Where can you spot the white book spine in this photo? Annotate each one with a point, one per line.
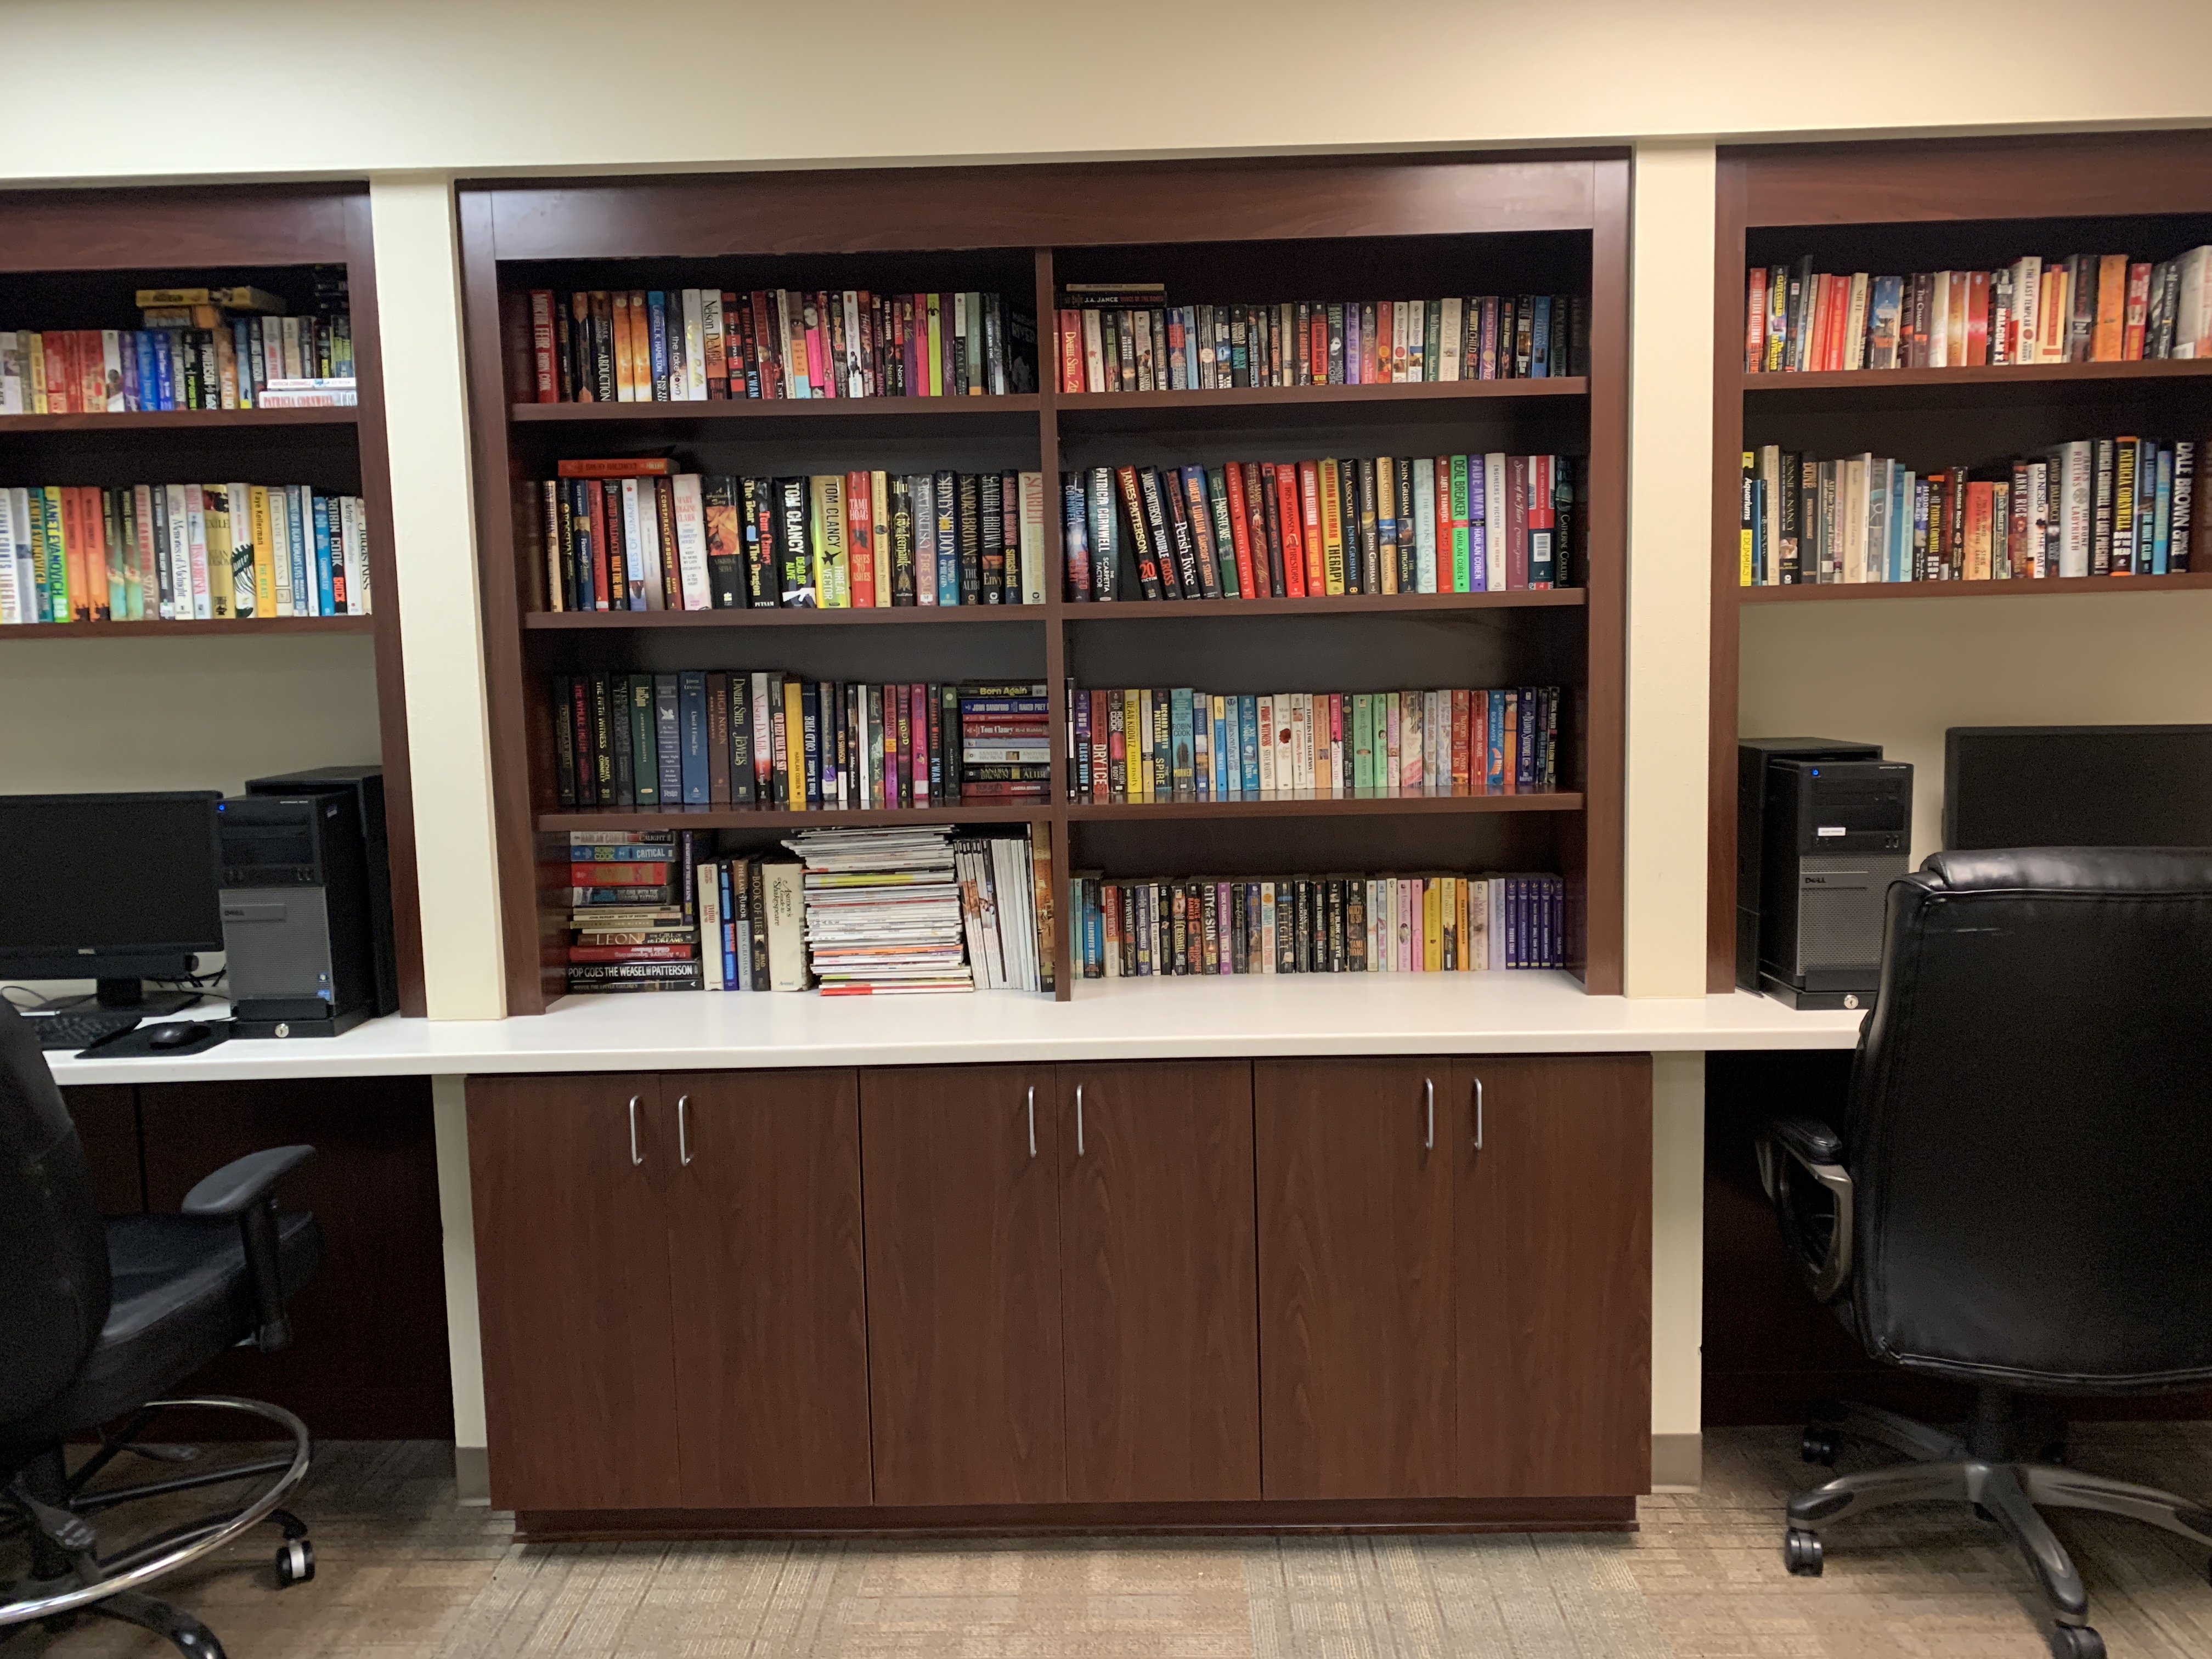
(713, 333)
(1425, 528)
(710, 927)
(692, 543)
(12, 372)
(1032, 532)
(1449, 336)
(695, 346)
(1494, 523)
(111, 354)
(11, 601)
(1855, 323)
(195, 544)
(1094, 351)
(2080, 484)
(280, 551)
(180, 608)
(352, 513)
(2026, 293)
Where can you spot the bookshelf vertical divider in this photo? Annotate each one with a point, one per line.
(1554, 223)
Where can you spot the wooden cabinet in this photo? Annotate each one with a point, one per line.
(961, 1195)
(669, 1278)
(1357, 1329)
(573, 1289)
(1158, 1282)
(770, 1310)
(1553, 1221)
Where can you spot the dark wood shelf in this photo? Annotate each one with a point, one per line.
(1007, 417)
(1337, 605)
(746, 817)
(157, 628)
(1088, 414)
(1798, 593)
(179, 420)
(1968, 388)
(2001, 374)
(797, 617)
(1325, 807)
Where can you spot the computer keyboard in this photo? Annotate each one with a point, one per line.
(81, 1030)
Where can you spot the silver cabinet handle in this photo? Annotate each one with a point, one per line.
(1032, 1120)
(636, 1157)
(683, 1131)
(1478, 1114)
(1429, 1136)
(1078, 1120)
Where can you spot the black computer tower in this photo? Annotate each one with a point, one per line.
(297, 928)
(362, 786)
(1834, 834)
(1753, 757)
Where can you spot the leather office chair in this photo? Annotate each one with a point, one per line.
(2021, 1196)
(97, 1319)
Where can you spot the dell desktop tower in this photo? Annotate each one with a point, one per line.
(297, 917)
(1834, 834)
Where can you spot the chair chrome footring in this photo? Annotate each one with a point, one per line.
(85, 1593)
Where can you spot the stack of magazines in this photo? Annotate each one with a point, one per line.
(883, 911)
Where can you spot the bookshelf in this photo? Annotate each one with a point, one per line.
(72, 259)
(1213, 232)
(1924, 206)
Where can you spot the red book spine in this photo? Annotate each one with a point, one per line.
(609, 592)
(1100, 757)
(541, 344)
(630, 953)
(615, 467)
(918, 712)
(1240, 528)
(1070, 326)
(860, 540)
(1309, 527)
(1755, 326)
(1977, 319)
(1289, 518)
(2131, 344)
(618, 875)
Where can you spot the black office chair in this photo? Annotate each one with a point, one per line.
(2021, 1196)
(97, 1319)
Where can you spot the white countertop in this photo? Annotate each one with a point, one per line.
(1108, 1019)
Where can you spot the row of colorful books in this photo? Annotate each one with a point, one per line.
(693, 345)
(707, 738)
(1176, 743)
(180, 552)
(2103, 507)
(1123, 337)
(1317, 924)
(1442, 524)
(634, 909)
(2084, 309)
(638, 535)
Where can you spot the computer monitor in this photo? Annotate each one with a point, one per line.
(113, 888)
(2077, 786)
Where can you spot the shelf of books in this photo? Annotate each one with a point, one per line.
(804, 500)
(192, 439)
(1977, 370)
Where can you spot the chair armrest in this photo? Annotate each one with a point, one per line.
(245, 1190)
(243, 1181)
(1821, 1243)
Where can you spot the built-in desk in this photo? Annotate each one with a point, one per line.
(1171, 1254)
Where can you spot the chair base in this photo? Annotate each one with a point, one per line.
(68, 1578)
(1980, 1465)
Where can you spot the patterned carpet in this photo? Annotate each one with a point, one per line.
(406, 1574)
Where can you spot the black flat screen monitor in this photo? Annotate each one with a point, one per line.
(2077, 786)
(113, 888)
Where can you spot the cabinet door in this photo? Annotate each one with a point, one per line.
(770, 1315)
(1553, 1221)
(572, 1291)
(960, 1188)
(1159, 1290)
(1356, 1326)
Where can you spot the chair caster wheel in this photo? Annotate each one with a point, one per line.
(295, 1562)
(2075, 1642)
(1801, 1553)
(1818, 1445)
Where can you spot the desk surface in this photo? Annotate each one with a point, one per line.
(1112, 1019)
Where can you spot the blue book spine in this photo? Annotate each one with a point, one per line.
(656, 307)
(242, 342)
(1228, 754)
(691, 715)
(1540, 341)
(165, 383)
(1180, 776)
(2162, 519)
(1524, 754)
(810, 716)
(1217, 750)
(1248, 723)
(303, 591)
(667, 738)
(1516, 930)
(580, 520)
(1494, 783)
(326, 579)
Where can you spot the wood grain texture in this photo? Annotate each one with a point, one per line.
(369, 1356)
(962, 1229)
(166, 227)
(153, 422)
(1552, 1232)
(1357, 1331)
(1158, 1282)
(573, 1291)
(770, 1309)
(919, 616)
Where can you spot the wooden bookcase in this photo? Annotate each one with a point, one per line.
(73, 259)
(1929, 206)
(1213, 232)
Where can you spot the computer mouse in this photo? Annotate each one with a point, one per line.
(176, 1033)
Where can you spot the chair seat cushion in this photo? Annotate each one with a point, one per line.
(182, 1294)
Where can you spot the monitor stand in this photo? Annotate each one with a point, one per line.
(118, 995)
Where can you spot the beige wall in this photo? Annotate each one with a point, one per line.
(1898, 671)
(489, 84)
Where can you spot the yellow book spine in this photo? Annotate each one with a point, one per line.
(1432, 930)
(221, 602)
(879, 542)
(1332, 528)
(833, 577)
(936, 348)
(1744, 537)
(34, 372)
(265, 555)
(794, 740)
